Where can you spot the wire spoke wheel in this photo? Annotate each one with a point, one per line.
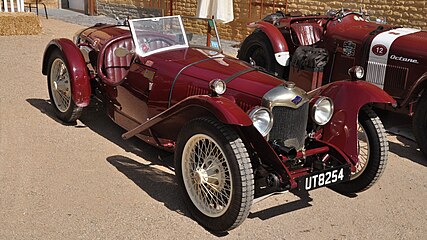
(60, 85)
(60, 88)
(214, 173)
(363, 150)
(372, 148)
(207, 175)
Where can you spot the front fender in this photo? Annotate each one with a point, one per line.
(167, 124)
(80, 80)
(280, 47)
(348, 97)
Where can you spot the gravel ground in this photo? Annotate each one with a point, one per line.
(85, 182)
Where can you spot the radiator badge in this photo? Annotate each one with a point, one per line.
(296, 100)
(349, 48)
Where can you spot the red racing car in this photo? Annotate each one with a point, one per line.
(238, 133)
(325, 47)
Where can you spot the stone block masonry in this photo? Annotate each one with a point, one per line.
(400, 13)
(49, 3)
(132, 8)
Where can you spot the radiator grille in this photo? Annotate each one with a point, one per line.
(290, 125)
(376, 73)
(384, 75)
(396, 77)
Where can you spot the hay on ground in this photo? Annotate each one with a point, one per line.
(19, 23)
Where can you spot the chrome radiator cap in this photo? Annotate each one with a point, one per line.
(285, 95)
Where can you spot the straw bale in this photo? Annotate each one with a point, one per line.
(19, 23)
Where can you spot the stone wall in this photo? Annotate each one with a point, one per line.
(403, 13)
(49, 3)
(131, 8)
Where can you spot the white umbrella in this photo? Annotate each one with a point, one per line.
(221, 10)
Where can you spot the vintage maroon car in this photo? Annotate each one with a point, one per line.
(324, 47)
(238, 133)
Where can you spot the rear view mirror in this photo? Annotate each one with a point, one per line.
(121, 52)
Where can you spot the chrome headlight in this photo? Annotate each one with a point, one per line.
(262, 119)
(356, 72)
(322, 110)
(218, 86)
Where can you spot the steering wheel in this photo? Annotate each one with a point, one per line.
(168, 42)
(340, 13)
(337, 15)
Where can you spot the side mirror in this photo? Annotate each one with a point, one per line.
(121, 52)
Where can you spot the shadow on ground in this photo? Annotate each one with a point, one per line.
(95, 119)
(154, 181)
(408, 149)
(400, 125)
(151, 180)
(45, 107)
(288, 207)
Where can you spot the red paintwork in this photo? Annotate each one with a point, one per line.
(97, 36)
(278, 42)
(341, 131)
(140, 102)
(403, 86)
(222, 108)
(77, 67)
(251, 86)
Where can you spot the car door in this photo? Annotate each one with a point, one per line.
(133, 93)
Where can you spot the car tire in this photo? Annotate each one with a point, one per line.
(257, 46)
(373, 153)
(419, 123)
(60, 88)
(217, 186)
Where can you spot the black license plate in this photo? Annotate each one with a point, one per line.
(324, 178)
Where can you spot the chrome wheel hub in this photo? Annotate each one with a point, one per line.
(206, 175)
(201, 176)
(60, 85)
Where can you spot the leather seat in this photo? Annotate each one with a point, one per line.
(116, 68)
(307, 33)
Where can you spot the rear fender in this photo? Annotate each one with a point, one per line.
(168, 123)
(280, 47)
(80, 80)
(348, 97)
